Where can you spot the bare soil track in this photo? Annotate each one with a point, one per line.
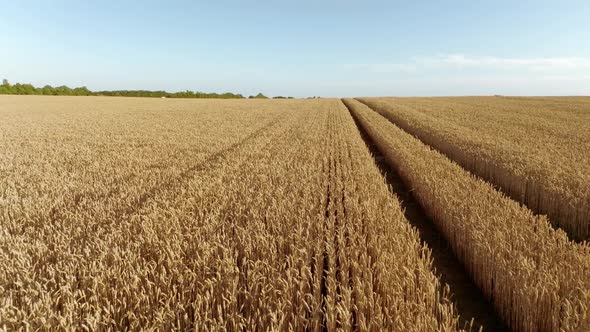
(467, 298)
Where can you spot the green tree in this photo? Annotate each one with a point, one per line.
(5, 87)
(23, 89)
(259, 96)
(81, 91)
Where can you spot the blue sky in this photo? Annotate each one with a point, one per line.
(301, 48)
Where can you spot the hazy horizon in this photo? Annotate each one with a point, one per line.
(328, 49)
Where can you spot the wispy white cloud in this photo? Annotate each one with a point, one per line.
(534, 64)
(463, 61)
(462, 74)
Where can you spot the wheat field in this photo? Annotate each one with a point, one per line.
(536, 277)
(535, 149)
(203, 215)
(273, 215)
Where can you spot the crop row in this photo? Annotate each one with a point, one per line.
(529, 148)
(535, 277)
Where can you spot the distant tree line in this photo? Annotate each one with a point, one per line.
(258, 96)
(160, 94)
(261, 96)
(48, 90)
(28, 89)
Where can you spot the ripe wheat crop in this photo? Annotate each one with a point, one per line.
(537, 150)
(149, 214)
(537, 279)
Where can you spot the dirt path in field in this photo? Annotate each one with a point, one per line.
(467, 298)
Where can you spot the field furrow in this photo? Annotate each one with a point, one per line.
(536, 278)
(472, 307)
(529, 148)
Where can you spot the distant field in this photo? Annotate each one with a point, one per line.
(189, 214)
